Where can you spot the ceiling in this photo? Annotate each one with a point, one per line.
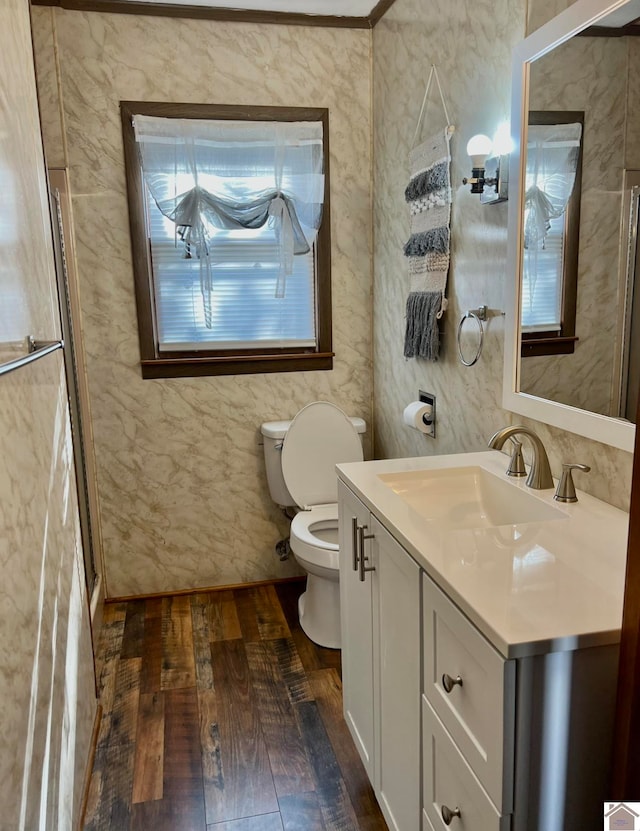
(342, 13)
(351, 13)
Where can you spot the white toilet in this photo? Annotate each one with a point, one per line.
(300, 458)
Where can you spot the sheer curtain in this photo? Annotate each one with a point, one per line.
(553, 151)
(208, 175)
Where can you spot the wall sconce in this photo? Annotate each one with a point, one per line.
(490, 166)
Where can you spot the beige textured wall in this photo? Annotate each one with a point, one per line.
(183, 493)
(471, 45)
(540, 12)
(47, 689)
(632, 136)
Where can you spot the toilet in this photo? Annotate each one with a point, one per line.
(300, 458)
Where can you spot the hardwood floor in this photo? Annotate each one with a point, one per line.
(221, 715)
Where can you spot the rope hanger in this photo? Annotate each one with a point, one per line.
(450, 128)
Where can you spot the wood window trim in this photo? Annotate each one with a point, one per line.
(156, 365)
(543, 343)
(564, 341)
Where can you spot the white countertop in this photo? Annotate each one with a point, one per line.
(530, 588)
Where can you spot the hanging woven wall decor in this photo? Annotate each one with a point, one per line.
(428, 195)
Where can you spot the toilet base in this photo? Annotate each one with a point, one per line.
(319, 611)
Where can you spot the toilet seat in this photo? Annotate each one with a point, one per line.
(310, 547)
(319, 437)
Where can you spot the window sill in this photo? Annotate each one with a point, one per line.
(563, 345)
(189, 367)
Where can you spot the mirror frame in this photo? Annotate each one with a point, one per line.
(606, 429)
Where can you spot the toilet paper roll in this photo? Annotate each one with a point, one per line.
(417, 414)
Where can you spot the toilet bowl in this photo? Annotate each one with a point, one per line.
(319, 437)
(314, 542)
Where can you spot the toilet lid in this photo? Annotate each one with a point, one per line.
(320, 437)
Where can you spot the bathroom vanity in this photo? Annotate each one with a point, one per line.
(480, 629)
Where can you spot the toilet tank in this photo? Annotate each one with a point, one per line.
(273, 433)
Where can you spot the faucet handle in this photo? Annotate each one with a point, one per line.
(516, 465)
(566, 491)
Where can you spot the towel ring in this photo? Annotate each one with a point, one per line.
(478, 315)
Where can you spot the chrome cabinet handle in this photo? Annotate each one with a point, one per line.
(354, 541)
(363, 557)
(448, 814)
(449, 683)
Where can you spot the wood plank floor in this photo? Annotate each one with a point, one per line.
(219, 714)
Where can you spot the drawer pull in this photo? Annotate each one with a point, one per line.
(449, 683)
(448, 814)
(363, 557)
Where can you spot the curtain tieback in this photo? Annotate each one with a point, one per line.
(279, 210)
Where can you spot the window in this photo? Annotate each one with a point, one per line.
(551, 233)
(229, 215)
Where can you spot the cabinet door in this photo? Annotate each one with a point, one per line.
(397, 680)
(357, 629)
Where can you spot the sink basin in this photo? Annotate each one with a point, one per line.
(467, 497)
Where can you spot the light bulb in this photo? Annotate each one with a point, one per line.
(479, 147)
(502, 142)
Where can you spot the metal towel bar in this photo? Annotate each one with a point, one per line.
(37, 350)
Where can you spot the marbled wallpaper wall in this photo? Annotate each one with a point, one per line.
(471, 45)
(589, 74)
(47, 688)
(183, 493)
(47, 685)
(632, 133)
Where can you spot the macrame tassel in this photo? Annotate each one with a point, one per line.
(435, 178)
(435, 240)
(422, 337)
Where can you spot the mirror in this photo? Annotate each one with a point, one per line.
(569, 356)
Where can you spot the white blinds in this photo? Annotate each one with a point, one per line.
(542, 285)
(246, 314)
(552, 156)
(242, 200)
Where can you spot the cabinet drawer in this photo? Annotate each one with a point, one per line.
(479, 712)
(449, 781)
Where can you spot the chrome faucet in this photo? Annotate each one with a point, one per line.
(540, 473)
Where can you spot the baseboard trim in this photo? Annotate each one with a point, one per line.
(97, 721)
(205, 589)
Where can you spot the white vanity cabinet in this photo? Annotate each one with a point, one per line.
(457, 730)
(380, 659)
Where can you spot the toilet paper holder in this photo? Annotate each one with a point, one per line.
(429, 398)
